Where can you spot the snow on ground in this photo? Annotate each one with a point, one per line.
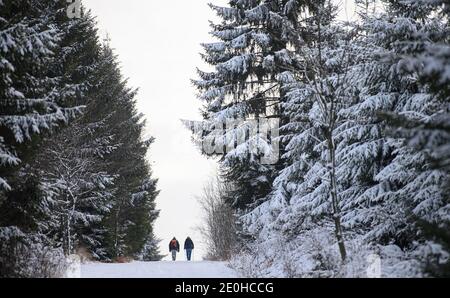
(163, 269)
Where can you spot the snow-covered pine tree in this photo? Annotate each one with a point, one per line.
(252, 50)
(30, 107)
(74, 175)
(150, 252)
(393, 91)
(424, 126)
(129, 224)
(388, 179)
(29, 101)
(133, 212)
(298, 136)
(386, 183)
(140, 238)
(307, 193)
(69, 166)
(378, 175)
(76, 192)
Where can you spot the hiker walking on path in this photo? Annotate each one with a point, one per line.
(188, 246)
(174, 247)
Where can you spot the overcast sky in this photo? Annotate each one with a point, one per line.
(158, 45)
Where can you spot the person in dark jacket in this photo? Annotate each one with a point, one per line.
(174, 247)
(188, 246)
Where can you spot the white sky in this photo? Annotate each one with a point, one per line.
(158, 45)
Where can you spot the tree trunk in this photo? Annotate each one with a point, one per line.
(334, 198)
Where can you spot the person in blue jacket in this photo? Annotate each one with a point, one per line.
(188, 246)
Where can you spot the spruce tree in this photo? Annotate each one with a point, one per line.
(130, 220)
(424, 129)
(30, 109)
(252, 51)
(30, 103)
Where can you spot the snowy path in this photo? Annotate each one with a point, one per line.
(163, 269)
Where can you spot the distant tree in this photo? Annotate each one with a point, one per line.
(150, 251)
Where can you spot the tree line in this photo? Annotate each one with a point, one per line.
(74, 177)
(364, 114)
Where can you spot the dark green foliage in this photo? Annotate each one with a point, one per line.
(73, 168)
